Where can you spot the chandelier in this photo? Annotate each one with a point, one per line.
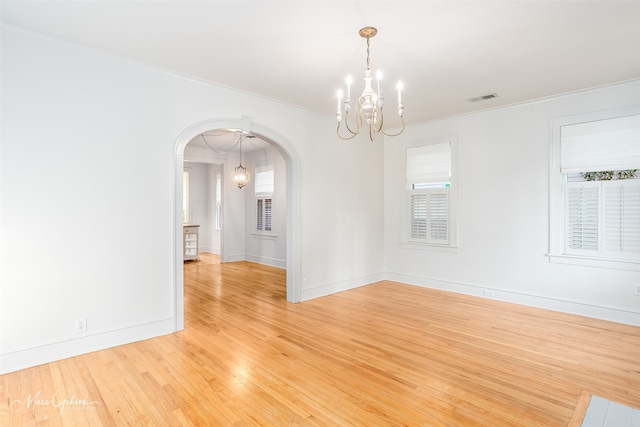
(369, 106)
(240, 176)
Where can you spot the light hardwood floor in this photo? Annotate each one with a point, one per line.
(384, 354)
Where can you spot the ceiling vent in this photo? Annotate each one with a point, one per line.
(483, 97)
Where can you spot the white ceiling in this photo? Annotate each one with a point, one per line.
(299, 52)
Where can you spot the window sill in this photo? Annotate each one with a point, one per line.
(265, 236)
(430, 247)
(593, 262)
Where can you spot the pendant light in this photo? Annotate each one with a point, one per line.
(240, 176)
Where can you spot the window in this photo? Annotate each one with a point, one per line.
(218, 207)
(596, 211)
(185, 197)
(264, 189)
(603, 216)
(430, 201)
(263, 215)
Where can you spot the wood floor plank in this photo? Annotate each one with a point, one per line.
(381, 355)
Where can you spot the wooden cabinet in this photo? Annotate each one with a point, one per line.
(190, 242)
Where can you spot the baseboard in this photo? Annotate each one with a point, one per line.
(580, 411)
(614, 314)
(210, 249)
(343, 285)
(233, 258)
(279, 263)
(17, 359)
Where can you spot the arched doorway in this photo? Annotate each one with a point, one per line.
(293, 286)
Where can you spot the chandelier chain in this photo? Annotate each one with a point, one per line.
(368, 50)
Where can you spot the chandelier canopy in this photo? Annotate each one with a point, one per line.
(369, 106)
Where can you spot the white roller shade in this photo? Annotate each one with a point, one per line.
(264, 180)
(429, 163)
(602, 145)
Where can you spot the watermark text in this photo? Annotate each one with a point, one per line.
(61, 400)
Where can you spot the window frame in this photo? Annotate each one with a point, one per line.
(217, 225)
(557, 197)
(406, 241)
(262, 200)
(186, 199)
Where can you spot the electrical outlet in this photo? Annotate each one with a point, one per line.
(81, 325)
(636, 289)
(488, 293)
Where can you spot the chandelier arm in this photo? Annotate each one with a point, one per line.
(342, 137)
(399, 132)
(358, 122)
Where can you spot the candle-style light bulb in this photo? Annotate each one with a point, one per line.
(378, 79)
(399, 92)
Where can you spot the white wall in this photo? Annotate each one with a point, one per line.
(503, 216)
(202, 198)
(88, 222)
(268, 248)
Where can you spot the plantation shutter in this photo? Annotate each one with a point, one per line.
(439, 217)
(601, 145)
(267, 214)
(429, 216)
(419, 216)
(259, 214)
(582, 217)
(264, 188)
(621, 209)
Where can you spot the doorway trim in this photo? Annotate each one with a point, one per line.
(293, 286)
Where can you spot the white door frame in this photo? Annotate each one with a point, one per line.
(293, 205)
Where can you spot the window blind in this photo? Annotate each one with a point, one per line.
(429, 163)
(419, 216)
(438, 217)
(267, 214)
(263, 214)
(621, 220)
(259, 214)
(264, 180)
(429, 216)
(582, 217)
(603, 219)
(601, 145)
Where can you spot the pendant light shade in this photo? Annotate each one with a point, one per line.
(240, 176)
